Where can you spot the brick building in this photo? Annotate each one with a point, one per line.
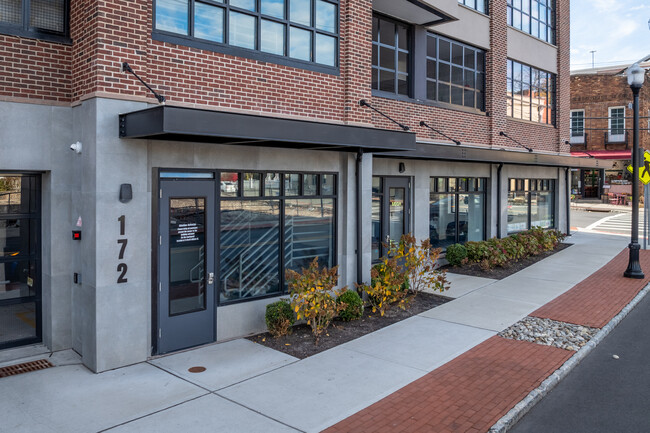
(601, 126)
(261, 156)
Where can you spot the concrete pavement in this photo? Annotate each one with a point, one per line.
(250, 388)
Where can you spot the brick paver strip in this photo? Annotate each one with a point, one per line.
(468, 394)
(601, 296)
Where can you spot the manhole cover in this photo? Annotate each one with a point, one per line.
(25, 367)
(196, 369)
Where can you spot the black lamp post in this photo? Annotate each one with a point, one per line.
(635, 77)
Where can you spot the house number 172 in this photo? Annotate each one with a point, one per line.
(122, 267)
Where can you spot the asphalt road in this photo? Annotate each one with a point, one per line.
(602, 394)
(582, 219)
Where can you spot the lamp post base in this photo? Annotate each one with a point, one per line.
(633, 266)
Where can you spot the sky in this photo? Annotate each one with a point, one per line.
(616, 29)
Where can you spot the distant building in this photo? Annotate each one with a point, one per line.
(601, 125)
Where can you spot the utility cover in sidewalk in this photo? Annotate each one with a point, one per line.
(25, 367)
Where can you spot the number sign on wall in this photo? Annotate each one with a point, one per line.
(122, 267)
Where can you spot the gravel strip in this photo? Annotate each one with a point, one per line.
(549, 332)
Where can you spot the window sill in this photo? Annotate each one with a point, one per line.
(534, 37)
(10, 30)
(485, 14)
(242, 52)
(443, 105)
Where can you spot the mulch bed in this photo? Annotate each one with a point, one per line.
(499, 273)
(301, 343)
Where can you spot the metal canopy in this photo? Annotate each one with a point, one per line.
(195, 125)
(473, 154)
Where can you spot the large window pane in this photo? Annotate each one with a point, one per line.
(208, 22)
(244, 4)
(308, 232)
(172, 16)
(376, 225)
(300, 12)
(47, 15)
(11, 11)
(471, 212)
(274, 8)
(541, 209)
(18, 237)
(242, 31)
(517, 211)
(442, 220)
(325, 16)
(249, 249)
(17, 321)
(272, 40)
(300, 44)
(325, 50)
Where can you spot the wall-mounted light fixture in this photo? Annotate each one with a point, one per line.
(76, 147)
(126, 193)
(402, 167)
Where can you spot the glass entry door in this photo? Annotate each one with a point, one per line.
(391, 212)
(186, 302)
(20, 260)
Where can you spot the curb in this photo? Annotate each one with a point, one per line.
(520, 409)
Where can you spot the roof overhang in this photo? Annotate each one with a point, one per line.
(421, 12)
(194, 125)
(447, 152)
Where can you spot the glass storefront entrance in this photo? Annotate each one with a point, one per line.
(20, 280)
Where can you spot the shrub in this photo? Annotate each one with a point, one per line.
(419, 265)
(313, 296)
(279, 317)
(352, 305)
(388, 285)
(456, 253)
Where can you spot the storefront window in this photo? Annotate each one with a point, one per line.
(456, 210)
(531, 203)
(279, 221)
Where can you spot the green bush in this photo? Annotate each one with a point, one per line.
(353, 309)
(279, 318)
(456, 253)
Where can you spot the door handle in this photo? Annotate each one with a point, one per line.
(210, 277)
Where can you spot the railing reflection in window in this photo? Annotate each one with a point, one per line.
(250, 248)
(308, 232)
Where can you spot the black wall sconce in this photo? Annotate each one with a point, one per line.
(126, 193)
(402, 167)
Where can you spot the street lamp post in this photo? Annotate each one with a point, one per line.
(635, 77)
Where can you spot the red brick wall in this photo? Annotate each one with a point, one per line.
(34, 69)
(596, 93)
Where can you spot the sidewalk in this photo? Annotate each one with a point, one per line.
(443, 370)
(603, 207)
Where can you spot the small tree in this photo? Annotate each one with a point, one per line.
(313, 296)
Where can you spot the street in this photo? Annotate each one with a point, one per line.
(605, 222)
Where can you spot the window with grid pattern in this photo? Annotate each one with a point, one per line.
(455, 73)
(530, 94)
(479, 5)
(535, 17)
(37, 17)
(302, 30)
(390, 56)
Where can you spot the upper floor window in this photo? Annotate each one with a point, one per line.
(390, 56)
(299, 30)
(616, 124)
(43, 19)
(531, 93)
(578, 126)
(479, 5)
(535, 17)
(455, 72)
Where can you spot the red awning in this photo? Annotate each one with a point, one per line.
(606, 154)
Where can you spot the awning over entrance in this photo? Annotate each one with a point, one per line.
(194, 125)
(605, 154)
(495, 156)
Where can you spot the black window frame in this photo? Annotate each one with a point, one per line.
(527, 186)
(478, 190)
(256, 54)
(549, 9)
(282, 197)
(376, 67)
(478, 100)
(473, 4)
(550, 90)
(25, 30)
(578, 123)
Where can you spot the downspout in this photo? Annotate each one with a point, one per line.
(359, 159)
(499, 200)
(568, 200)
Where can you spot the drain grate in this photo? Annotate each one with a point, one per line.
(25, 367)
